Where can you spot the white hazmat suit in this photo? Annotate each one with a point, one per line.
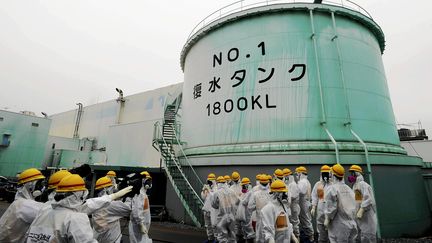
(62, 222)
(17, 219)
(304, 187)
(244, 216)
(258, 200)
(365, 208)
(340, 212)
(225, 201)
(318, 204)
(208, 211)
(140, 218)
(293, 193)
(106, 222)
(275, 220)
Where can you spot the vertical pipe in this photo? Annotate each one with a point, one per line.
(347, 105)
(323, 113)
(78, 120)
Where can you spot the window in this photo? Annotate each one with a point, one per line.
(5, 140)
(35, 124)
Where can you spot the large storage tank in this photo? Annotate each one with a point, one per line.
(298, 83)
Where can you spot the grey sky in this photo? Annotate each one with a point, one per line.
(56, 53)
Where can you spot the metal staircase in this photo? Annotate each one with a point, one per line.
(181, 174)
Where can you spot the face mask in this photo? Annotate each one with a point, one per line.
(210, 183)
(352, 179)
(244, 188)
(148, 185)
(325, 176)
(82, 195)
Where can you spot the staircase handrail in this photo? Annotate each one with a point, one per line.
(181, 172)
(187, 160)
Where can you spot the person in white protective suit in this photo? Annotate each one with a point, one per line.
(257, 182)
(275, 215)
(140, 218)
(235, 183)
(62, 222)
(112, 175)
(304, 187)
(106, 221)
(293, 193)
(21, 213)
(258, 200)
(225, 201)
(339, 209)
(365, 205)
(243, 216)
(318, 202)
(208, 211)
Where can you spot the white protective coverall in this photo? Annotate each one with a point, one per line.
(20, 214)
(208, 211)
(293, 193)
(319, 203)
(365, 199)
(236, 187)
(225, 201)
(106, 221)
(258, 200)
(62, 223)
(275, 221)
(140, 214)
(244, 216)
(340, 212)
(304, 187)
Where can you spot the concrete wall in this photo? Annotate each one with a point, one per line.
(28, 136)
(420, 148)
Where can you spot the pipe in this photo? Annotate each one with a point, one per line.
(347, 105)
(323, 113)
(369, 172)
(78, 119)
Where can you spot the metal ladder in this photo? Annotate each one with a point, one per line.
(181, 174)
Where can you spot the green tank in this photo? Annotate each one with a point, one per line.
(282, 85)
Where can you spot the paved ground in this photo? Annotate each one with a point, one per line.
(170, 232)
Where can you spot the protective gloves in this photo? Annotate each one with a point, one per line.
(360, 213)
(271, 240)
(294, 238)
(326, 222)
(143, 229)
(313, 211)
(121, 193)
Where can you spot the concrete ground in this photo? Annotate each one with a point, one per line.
(172, 232)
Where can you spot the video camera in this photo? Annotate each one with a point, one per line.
(135, 180)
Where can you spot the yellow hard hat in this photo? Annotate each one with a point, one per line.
(269, 177)
(56, 178)
(245, 181)
(227, 177)
(264, 179)
(103, 182)
(111, 173)
(221, 179)
(278, 186)
(301, 169)
(356, 168)
(30, 175)
(286, 172)
(325, 168)
(257, 177)
(211, 177)
(338, 170)
(235, 176)
(146, 174)
(279, 173)
(71, 183)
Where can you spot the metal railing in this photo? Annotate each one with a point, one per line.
(248, 4)
(188, 165)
